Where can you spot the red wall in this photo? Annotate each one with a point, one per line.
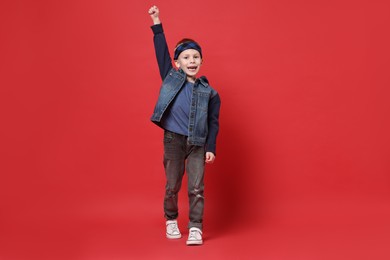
(304, 131)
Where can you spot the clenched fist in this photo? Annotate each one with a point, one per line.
(154, 14)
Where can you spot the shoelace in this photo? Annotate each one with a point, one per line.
(174, 227)
(193, 234)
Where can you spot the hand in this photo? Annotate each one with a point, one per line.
(210, 157)
(154, 13)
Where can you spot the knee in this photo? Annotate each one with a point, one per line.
(196, 192)
(171, 191)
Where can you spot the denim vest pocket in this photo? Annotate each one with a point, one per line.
(203, 100)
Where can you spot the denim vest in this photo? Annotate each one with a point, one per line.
(201, 94)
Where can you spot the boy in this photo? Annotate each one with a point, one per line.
(188, 111)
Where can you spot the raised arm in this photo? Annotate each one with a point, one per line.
(160, 44)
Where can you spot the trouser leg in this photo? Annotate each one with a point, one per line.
(195, 172)
(174, 161)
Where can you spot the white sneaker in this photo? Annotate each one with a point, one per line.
(173, 231)
(195, 236)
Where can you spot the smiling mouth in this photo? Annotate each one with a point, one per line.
(192, 68)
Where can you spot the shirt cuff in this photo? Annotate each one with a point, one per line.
(157, 28)
(211, 148)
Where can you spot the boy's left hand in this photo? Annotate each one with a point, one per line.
(210, 157)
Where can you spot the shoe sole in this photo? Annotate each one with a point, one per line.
(194, 243)
(173, 236)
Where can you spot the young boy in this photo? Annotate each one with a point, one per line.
(188, 111)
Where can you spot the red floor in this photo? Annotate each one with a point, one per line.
(108, 231)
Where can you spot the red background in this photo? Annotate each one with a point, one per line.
(302, 170)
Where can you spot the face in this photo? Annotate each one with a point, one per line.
(189, 61)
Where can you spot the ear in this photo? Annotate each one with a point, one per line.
(177, 64)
